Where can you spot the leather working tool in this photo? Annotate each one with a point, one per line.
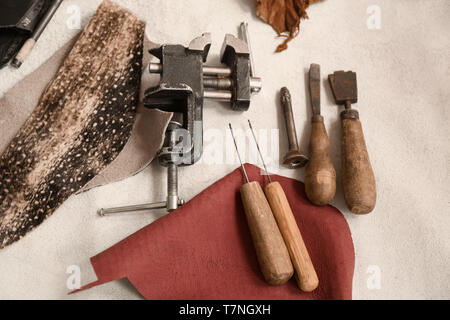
(305, 273)
(184, 84)
(293, 158)
(357, 175)
(320, 176)
(271, 251)
(18, 20)
(30, 43)
(22, 15)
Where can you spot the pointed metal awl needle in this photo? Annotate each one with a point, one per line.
(237, 151)
(259, 151)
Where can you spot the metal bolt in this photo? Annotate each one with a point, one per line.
(173, 201)
(172, 187)
(148, 206)
(293, 158)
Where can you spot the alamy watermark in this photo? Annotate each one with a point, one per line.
(73, 282)
(374, 20)
(74, 19)
(374, 280)
(215, 146)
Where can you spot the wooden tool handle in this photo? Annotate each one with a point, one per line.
(320, 176)
(25, 50)
(271, 251)
(357, 174)
(306, 276)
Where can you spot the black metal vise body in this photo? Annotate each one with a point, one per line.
(185, 83)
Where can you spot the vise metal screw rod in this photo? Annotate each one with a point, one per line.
(215, 78)
(173, 201)
(181, 90)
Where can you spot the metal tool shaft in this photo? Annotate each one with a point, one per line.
(215, 77)
(259, 150)
(207, 70)
(46, 19)
(173, 201)
(172, 187)
(293, 158)
(237, 151)
(314, 88)
(286, 103)
(30, 43)
(218, 95)
(140, 207)
(218, 83)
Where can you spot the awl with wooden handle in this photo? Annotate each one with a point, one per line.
(305, 273)
(320, 175)
(357, 175)
(271, 251)
(31, 42)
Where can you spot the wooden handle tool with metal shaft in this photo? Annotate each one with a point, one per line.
(271, 251)
(320, 176)
(357, 175)
(31, 42)
(305, 273)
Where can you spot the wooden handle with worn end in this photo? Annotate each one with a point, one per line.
(306, 275)
(357, 174)
(320, 176)
(271, 251)
(24, 52)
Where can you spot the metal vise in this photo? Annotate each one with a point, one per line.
(184, 85)
(186, 82)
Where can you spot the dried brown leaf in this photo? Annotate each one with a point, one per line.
(284, 16)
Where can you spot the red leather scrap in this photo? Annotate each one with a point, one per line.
(204, 250)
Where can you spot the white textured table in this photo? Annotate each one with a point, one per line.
(403, 73)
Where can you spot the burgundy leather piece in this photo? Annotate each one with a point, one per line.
(204, 250)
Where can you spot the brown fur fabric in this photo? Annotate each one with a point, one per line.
(82, 122)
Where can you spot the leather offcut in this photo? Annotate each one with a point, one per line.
(204, 251)
(83, 120)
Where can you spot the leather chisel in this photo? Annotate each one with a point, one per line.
(320, 175)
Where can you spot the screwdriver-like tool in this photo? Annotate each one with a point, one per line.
(271, 251)
(306, 275)
(320, 176)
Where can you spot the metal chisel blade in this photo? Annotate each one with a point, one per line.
(314, 88)
(344, 86)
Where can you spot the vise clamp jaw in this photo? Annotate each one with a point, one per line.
(184, 85)
(236, 54)
(181, 91)
(186, 82)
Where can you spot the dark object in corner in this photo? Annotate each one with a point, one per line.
(28, 46)
(284, 16)
(18, 18)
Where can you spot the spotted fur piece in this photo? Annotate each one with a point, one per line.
(83, 120)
